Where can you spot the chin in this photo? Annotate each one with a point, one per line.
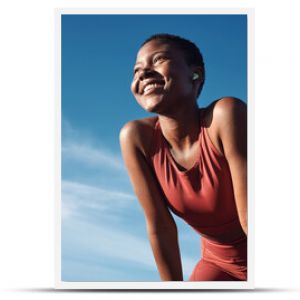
(152, 103)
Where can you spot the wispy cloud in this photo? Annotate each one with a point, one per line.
(110, 242)
(80, 146)
(77, 198)
(91, 156)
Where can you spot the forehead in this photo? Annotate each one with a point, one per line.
(158, 46)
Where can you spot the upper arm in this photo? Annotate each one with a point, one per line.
(231, 116)
(145, 185)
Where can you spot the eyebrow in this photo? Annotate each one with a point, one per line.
(154, 53)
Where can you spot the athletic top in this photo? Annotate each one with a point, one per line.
(202, 195)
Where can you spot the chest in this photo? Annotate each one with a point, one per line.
(202, 194)
(187, 159)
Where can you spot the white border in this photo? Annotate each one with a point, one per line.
(132, 285)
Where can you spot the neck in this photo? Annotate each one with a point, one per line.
(181, 129)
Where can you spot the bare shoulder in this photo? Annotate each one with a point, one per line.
(229, 107)
(222, 110)
(221, 114)
(139, 133)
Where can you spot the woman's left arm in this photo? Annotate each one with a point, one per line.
(231, 114)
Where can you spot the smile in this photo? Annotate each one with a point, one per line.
(151, 87)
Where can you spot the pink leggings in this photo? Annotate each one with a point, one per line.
(221, 262)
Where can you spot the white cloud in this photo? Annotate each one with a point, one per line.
(91, 156)
(104, 240)
(80, 146)
(76, 196)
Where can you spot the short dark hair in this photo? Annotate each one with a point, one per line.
(191, 52)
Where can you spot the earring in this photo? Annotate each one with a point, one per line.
(195, 76)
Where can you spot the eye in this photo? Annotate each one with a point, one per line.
(158, 58)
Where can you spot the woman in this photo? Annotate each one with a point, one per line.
(190, 160)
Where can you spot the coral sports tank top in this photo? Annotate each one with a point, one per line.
(202, 195)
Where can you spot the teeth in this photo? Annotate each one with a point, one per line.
(150, 86)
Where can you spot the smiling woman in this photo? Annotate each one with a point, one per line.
(162, 72)
(190, 160)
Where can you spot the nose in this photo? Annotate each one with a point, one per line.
(146, 73)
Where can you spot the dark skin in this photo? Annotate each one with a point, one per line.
(163, 84)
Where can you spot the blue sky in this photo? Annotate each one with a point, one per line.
(103, 228)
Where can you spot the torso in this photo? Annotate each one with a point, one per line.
(145, 139)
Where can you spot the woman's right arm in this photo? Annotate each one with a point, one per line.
(161, 228)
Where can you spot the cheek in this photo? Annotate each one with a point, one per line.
(133, 87)
(179, 84)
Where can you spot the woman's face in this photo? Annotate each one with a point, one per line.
(162, 79)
